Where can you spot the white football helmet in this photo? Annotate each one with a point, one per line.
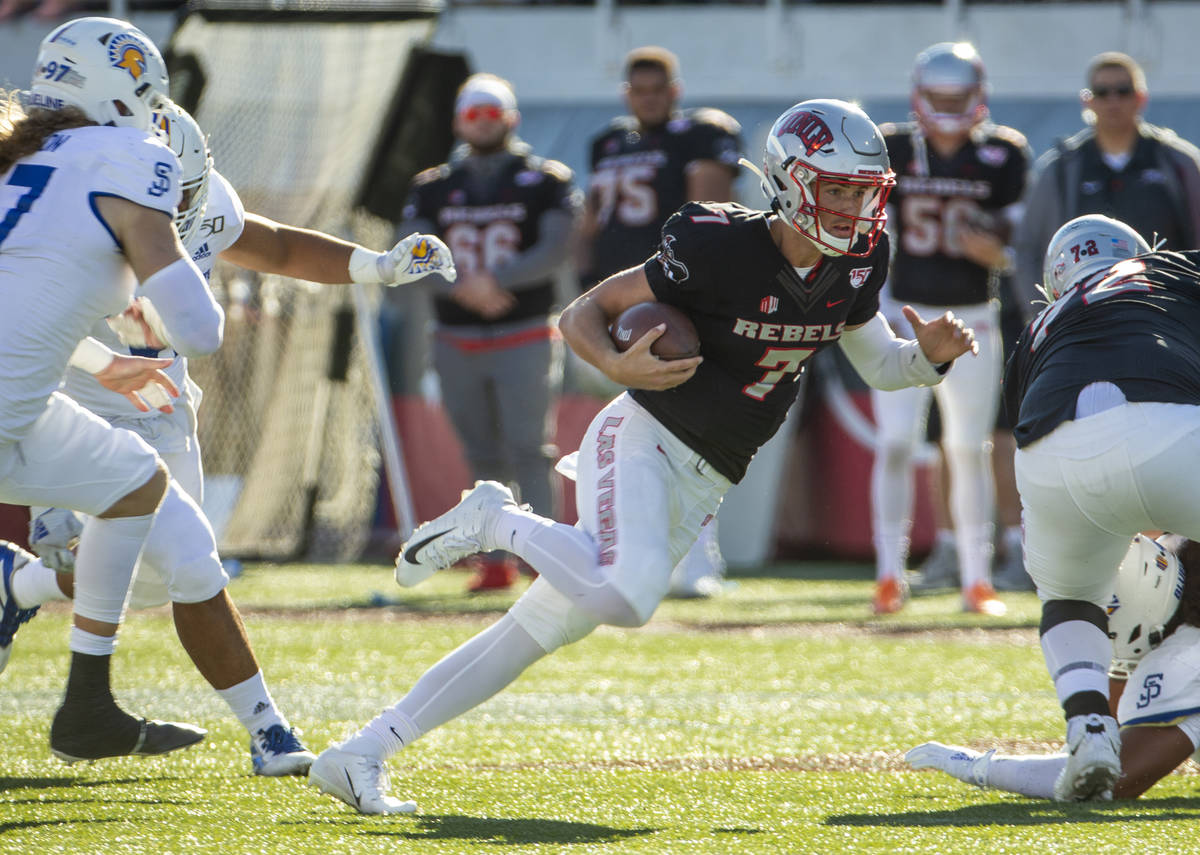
(832, 142)
(1148, 591)
(1083, 247)
(950, 69)
(108, 68)
(179, 130)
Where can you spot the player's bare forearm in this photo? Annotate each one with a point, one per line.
(271, 247)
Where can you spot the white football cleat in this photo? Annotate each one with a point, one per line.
(356, 779)
(277, 751)
(1093, 759)
(968, 766)
(456, 534)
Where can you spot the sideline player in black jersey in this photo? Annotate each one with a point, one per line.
(507, 217)
(765, 291)
(959, 180)
(647, 164)
(1105, 385)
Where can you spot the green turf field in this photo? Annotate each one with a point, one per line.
(771, 721)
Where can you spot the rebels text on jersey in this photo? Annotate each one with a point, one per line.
(935, 198)
(758, 322)
(639, 177)
(487, 222)
(1136, 325)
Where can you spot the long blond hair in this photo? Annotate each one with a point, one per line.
(22, 133)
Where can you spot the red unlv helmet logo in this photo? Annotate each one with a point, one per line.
(810, 129)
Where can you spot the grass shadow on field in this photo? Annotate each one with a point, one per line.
(7, 784)
(1032, 813)
(29, 824)
(512, 831)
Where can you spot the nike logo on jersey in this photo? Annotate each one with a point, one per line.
(829, 304)
(411, 554)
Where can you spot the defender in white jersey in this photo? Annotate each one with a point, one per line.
(215, 221)
(1157, 705)
(86, 216)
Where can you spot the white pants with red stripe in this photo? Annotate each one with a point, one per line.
(643, 496)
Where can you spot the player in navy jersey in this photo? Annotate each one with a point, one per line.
(1105, 388)
(959, 180)
(765, 290)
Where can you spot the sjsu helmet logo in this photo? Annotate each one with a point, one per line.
(127, 52)
(810, 129)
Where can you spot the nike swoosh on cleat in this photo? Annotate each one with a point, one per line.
(350, 783)
(410, 554)
(829, 304)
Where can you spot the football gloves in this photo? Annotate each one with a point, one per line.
(413, 258)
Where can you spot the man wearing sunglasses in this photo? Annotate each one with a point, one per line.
(507, 217)
(1120, 166)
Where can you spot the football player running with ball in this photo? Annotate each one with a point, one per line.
(959, 181)
(765, 291)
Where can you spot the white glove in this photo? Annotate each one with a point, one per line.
(413, 258)
(53, 535)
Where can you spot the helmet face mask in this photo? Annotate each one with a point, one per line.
(180, 132)
(1084, 247)
(106, 67)
(827, 174)
(949, 90)
(1148, 590)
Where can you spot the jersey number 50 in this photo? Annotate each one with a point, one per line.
(931, 225)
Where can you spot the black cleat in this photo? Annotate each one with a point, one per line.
(148, 737)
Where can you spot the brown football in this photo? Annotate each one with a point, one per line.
(678, 341)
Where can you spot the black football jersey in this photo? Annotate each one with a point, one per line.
(758, 322)
(487, 222)
(639, 180)
(935, 197)
(1137, 326)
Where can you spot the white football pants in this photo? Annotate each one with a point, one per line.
(1093, 483)
(967, 398)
